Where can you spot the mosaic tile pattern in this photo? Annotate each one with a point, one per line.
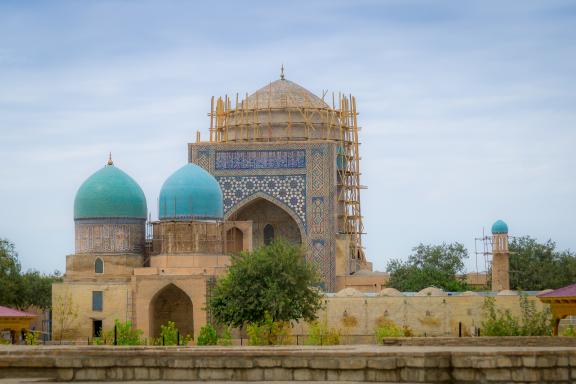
(274, 159)
(312, 199)
(289, 189)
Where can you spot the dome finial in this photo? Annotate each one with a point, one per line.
(110, 162)
(282, 72)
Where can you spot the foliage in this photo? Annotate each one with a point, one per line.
(225, 336)
(64, 314)
(22, 290)
(207, 335)
(169, 335)
(32, 338)
(126, 334)
(320, 334)
(387, 328)
(268, 332)
(537, 266)
(532, 322)
(430, 265)
(569, 331)
(273, 279)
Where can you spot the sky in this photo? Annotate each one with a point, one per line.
(467, 108)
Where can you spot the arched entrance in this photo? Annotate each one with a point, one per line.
(171, 304)
(269, 222)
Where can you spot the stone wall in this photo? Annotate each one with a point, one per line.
(360, 363)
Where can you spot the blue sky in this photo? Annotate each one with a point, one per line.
(468, 108)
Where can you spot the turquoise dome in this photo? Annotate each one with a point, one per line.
(191, 193)
(110, 192)
(499, 227)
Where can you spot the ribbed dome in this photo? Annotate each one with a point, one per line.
(499, 227)
(191, 193)
(110, 192)
(284, 93)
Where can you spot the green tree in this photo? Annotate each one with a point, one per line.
(9, 274)
(429, 265)
(535, 266)
(273, 279)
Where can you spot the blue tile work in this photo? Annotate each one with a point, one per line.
(274, 159)
(289, 189)
(305, 187)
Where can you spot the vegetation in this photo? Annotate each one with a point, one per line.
(537, 266)
(430, 265)
(386, 329)
(169, 335)
(22, 290)
(64, 314)
(531, 322)
(272, 282)
(207, 336)
(569, 331)
(320, 334)
(126, 334)
(268, 332)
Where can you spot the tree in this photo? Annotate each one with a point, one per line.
(64, 314)
(22, 290)
(9, 274)
(429, 265)
(536, 266)
(274, 280)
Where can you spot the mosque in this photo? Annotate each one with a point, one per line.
(279, 163)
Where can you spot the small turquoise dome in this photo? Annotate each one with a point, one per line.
(499, 227)
(191, 193)
(110, 192)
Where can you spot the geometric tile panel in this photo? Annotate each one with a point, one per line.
(289, 189)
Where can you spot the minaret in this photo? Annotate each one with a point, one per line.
(500, 257)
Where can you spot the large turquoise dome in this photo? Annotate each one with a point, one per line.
(110, 193)
(499, 227)
(191, 193)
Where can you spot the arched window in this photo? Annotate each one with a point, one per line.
(99, 266)
(268, 234)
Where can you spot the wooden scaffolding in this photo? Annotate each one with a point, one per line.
(298, 118)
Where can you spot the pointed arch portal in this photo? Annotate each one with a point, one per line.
(270, 221)
(171, 304)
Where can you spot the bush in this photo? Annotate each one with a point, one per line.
(569, 331)
(388, 328)
(31, 338)
(502, 323)
(126, 334)
(207, 336)
(268, 332)
(321, 334)
(225, 337)
(169, 335)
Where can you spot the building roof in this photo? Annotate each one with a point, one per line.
(110, 192)
(11, 312)
(191, 193)
(568, 291)
(499, 227)
(284, 93)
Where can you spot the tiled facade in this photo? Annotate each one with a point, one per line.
(299, 178)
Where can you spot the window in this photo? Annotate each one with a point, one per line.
(97, 300)
(268, 234)
(96, 328)
(99, 266)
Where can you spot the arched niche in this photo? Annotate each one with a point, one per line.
(171, 304)
(264, 212)
(98, 265)
(234, 240)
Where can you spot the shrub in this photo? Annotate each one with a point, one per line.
(321, 334)
(207, 335)
(31, 338)
(569, 331)
(225, 337)
(169, 335)
(500, 322)
(268, 332)
(386, 329)
(126, 334)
